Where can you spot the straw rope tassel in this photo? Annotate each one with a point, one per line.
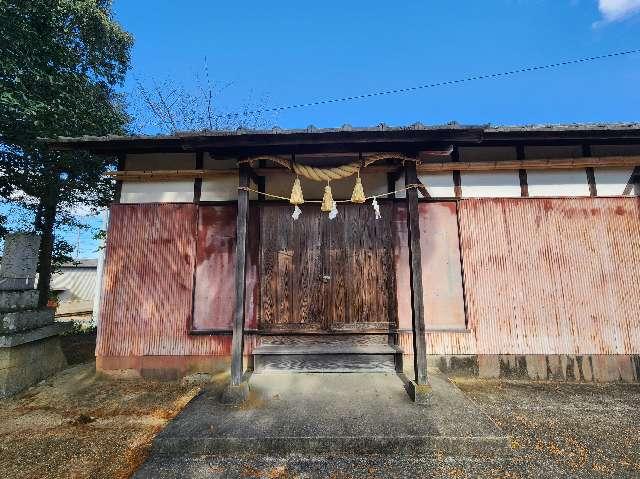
(327, 199)
(358, 192)
(296, 193)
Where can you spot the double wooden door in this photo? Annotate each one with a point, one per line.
(318, 274)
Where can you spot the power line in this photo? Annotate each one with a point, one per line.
(447, 82)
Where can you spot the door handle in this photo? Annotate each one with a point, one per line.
(325, 278)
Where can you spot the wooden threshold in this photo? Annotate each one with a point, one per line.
(323, 332)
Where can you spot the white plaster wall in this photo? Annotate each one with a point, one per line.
(490, 184)
(157, 192)
(439, 185)
(612, 181)
(558, 182)
(280, 184)
(219, 188)
(160, 161)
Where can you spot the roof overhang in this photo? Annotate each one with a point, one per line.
(410, 139)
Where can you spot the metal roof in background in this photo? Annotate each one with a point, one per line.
(81, 263)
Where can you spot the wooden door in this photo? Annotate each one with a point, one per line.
(320, 275)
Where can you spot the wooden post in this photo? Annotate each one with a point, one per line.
(197, 182)
(237, 344)
(122, 158)
(522, 173)
(633, 183)
(415, 263)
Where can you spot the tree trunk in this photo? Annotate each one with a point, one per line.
(48, 206)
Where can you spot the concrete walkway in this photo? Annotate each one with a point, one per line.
(326, 414)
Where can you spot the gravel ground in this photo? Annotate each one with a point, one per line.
(559, 431)
(585, 430)
(80, 425)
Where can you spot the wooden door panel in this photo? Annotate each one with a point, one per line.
(307, 294)
(284, 287)
(354, 255)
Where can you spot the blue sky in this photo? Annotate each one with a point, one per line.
(280, 53)
(290, 52)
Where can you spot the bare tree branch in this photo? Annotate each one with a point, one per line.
(169, 107)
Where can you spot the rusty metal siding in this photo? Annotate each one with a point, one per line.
(442, 342)
(441, 270)
(147, 291)
(215, 295)
(552, 276)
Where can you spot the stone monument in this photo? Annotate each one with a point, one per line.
(29, 338)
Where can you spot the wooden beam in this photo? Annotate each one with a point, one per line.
(422, 188)
(522, 173)
(591, 179)
(262, 182)
(551, 163)
(415, 264)
(253, 176)
(237, 343)
(591, 175)
(197, 184)
(634, 181)
(524, 182)
(540, 164)
(457, 177)
(168, 175)
(122, 159)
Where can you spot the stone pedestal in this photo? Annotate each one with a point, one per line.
(29, 338)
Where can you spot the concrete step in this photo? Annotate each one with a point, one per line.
(321, 356)
(331, 414)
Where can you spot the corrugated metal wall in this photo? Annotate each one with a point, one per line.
(542, 276)
(441, 276)
(78, 283)
(215, 293)
(146, 307)
(552, 276)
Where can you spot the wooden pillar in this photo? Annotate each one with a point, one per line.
(633, 185)
(197, 183)
(237, 344)
(415, 263)
(122, 158)
(591, 174)
(522, 173)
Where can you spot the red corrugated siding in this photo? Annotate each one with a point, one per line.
(441, 277)
(215, 293)
(542, 277)
(552, 276)
(214, 297)
(147, 291)
(442, 342)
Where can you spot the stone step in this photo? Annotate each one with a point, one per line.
(318, 356)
